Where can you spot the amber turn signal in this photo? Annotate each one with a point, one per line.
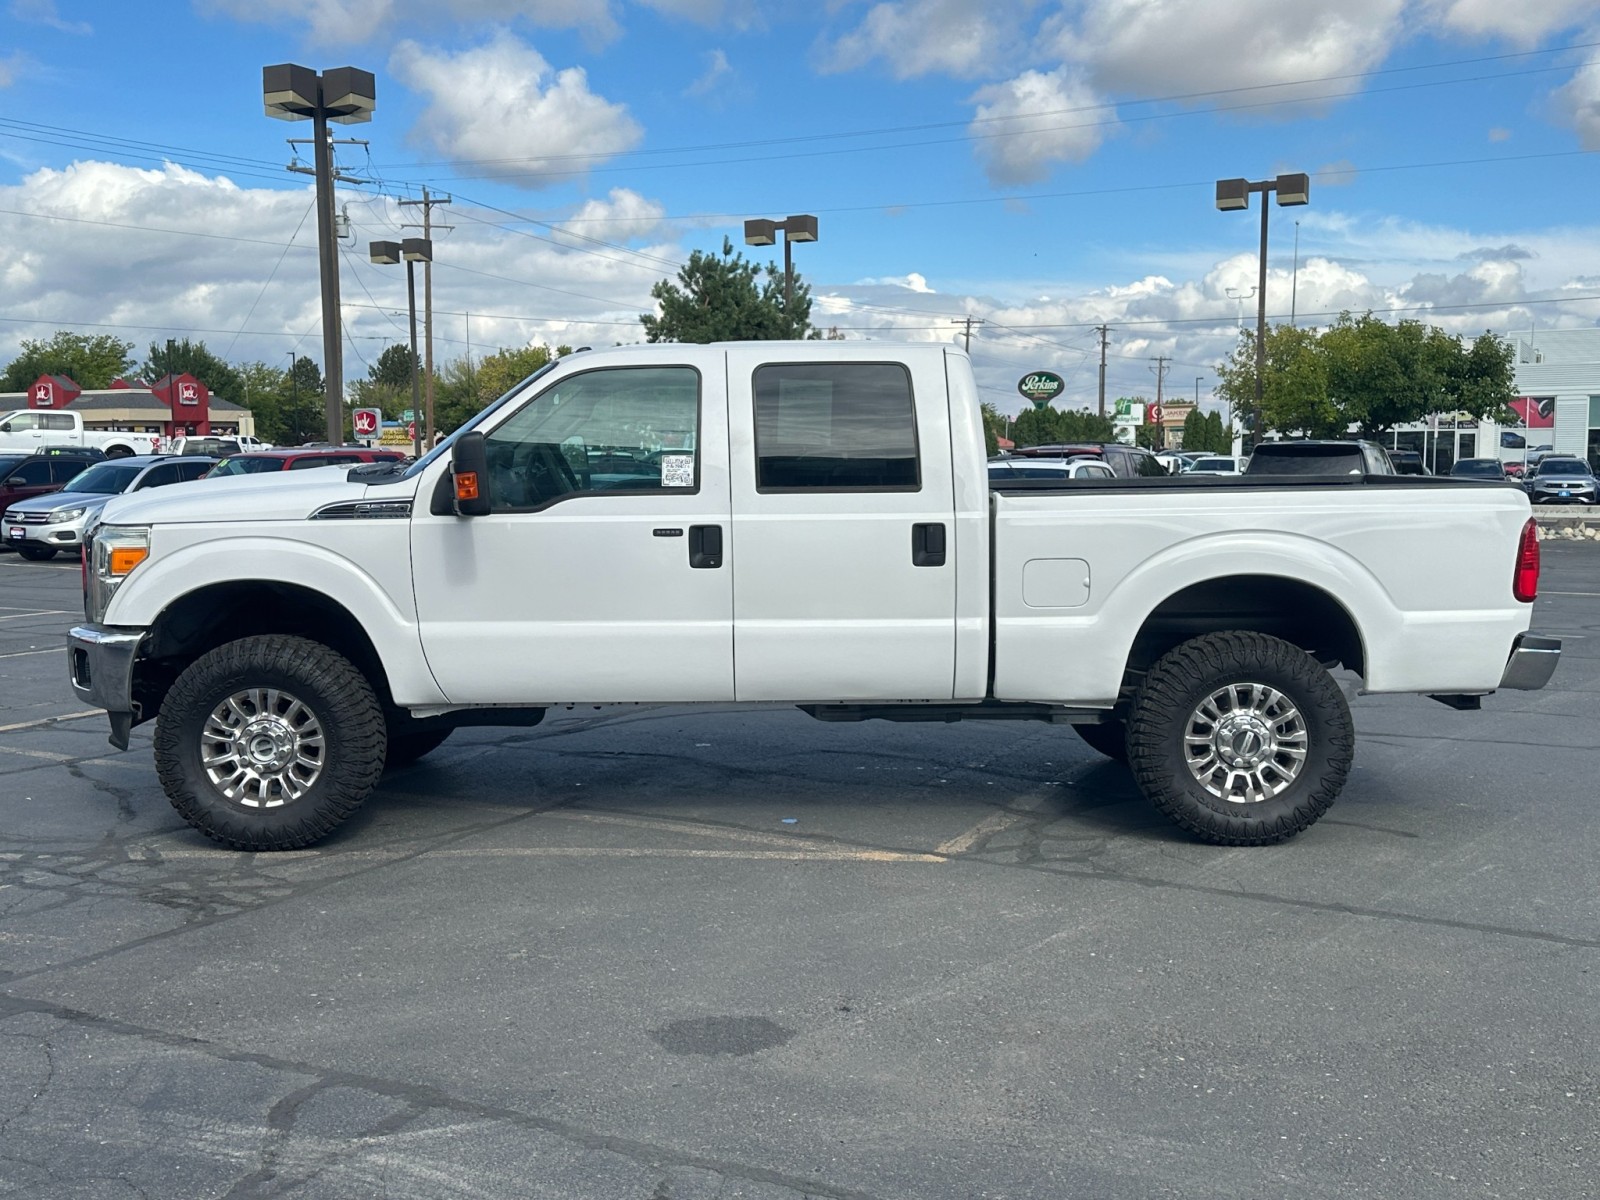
(126, 558)
(467, 485)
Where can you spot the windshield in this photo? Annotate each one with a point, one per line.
(245, 466)
(444, 447)
(1562, 466)
(104, 479)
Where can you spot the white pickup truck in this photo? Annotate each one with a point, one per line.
(29, 429)
(800, 522)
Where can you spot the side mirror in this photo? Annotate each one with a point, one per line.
(6, 428)
(469, 466)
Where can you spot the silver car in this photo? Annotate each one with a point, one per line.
(40, 527)
(1559, 480)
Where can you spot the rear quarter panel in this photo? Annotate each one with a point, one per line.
(1425, 573)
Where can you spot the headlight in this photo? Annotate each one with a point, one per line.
(115, 551)
(62, 515)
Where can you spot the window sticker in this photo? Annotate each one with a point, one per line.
(677, 470)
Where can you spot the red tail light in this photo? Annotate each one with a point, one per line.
(1525, 579)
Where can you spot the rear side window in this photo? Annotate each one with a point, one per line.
(56, 421)
(1148, 464)
(835, 427)
(64, 469)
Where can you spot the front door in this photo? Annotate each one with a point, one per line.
(604, 571)
(844, 518)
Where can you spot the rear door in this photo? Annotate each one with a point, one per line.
(843, 522)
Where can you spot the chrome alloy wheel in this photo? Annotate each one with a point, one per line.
(1245, 743)
(262, 748)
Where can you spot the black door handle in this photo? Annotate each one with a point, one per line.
(927, 545)
(705, 546)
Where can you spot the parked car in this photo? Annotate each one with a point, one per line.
(40, 527)
(26, 475)
(1480, 468)
(1217, 464)
(1562, 479)
(211, 447)
(1126, 462)
(1408, 462)
(1319, 458)
(301, 459)
(1008, 470)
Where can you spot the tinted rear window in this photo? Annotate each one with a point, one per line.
(1288, 459)
(1477, 469)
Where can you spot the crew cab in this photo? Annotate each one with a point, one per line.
(27, 429)
(776, 521)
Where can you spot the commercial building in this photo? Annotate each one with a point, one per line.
(173, 406)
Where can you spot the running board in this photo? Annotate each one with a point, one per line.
(948, 714)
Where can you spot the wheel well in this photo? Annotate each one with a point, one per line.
(119, 451)
(1297, 612)
(205, 619)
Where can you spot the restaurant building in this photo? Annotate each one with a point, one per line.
(173, 406)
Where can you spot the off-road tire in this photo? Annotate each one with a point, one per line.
(326, 683)
(37, 553)
(1169, 696)
(406, 748)
(1109, 738)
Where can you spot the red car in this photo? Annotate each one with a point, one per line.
(302, 459)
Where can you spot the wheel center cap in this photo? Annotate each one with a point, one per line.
(1243, 740)
(268, 743)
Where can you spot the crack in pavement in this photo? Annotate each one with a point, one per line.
(418, 1099)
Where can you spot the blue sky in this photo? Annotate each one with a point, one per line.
(1041, 166)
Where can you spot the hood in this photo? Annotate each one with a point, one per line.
(240, 499)
(55, 501)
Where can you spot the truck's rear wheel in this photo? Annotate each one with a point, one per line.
(1109, 738)
(119, 451)
(269, 743)
(1242, 739)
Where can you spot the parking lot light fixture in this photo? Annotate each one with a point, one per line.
(411, 251)
(800, 227)
(1234, 195)
(348, 96)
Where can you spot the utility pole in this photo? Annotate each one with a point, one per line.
(1160, 369)
(426, 204)
(1104, 331)
(969, 322)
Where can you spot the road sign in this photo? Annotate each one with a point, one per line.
(1155, 413)
(408, 415)
(366, 422)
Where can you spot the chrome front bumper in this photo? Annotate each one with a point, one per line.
(1532, 662)
(100, 662)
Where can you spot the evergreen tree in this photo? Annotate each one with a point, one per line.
(721, 298)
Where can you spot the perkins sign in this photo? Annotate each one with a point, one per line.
(1041, 387)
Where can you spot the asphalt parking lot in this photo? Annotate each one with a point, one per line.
(676, 955)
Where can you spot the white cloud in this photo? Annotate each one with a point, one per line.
(349, 22)
(1578, 103)
(963, 38)
(12, 66)
(43, 12)
(1526, 24)
(1164, 47)
(1019, 141)
(623, 215)
(520, 117)
(109, 270)
(717, 71)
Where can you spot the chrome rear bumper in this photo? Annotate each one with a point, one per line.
(1533, 660)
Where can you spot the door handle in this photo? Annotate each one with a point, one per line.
(705, 546)
(927, 545)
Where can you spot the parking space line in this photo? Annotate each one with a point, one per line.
(798, 854)
(46, 612)
(992, 824)
(689, 827)
(45, 754)
(43, 721)
(25, 653)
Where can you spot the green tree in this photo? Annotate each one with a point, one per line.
(184, 357)
(1194, 431)
(90, 361)
(388, 383)
(1049, 426)
(1295, 395)
(1219, 439)
(720, 298)
(993, 425)
(463, 388)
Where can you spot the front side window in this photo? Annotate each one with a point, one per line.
(625, 429)
(30, 474)
(159, 477)
(23, 423)
(835, 427)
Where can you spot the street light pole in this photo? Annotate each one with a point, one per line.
(346, 95)
(1232, 195)
(411, 251)
(801, 228)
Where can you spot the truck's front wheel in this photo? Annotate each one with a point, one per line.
(1242, 739)
(269, 743)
